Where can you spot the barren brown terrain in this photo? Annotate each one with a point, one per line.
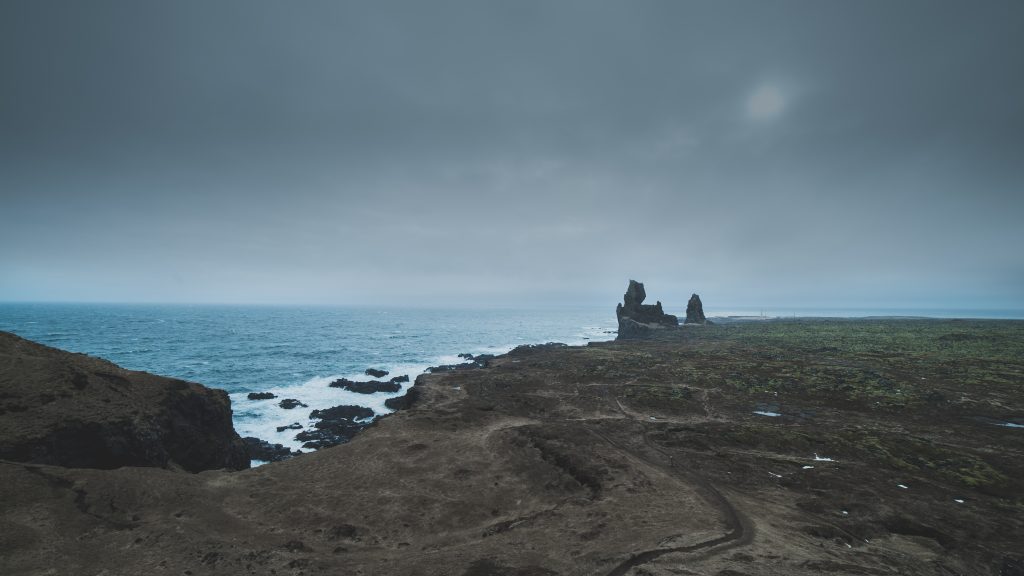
(786, 447)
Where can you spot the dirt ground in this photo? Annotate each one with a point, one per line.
(788, 448)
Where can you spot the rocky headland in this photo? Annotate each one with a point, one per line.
(76, 411)
(783, 448)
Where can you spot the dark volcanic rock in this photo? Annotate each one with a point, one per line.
(289, 403)
(402, 378)
(695, 311)
(478, 361)
(405, 401)
(376, 373)
(346, 412)
(337, 425)
(78, 411)
(638, 320)
(261, 396)
(367, 387)
(292, 426)
(263, 450)
(528, 348)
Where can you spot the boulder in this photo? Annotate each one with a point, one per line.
(375, 373)
(639, 320)
(261, 396)
(78, 411)
(695, 311)
(289, 403)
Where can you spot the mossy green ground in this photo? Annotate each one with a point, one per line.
(874, 378)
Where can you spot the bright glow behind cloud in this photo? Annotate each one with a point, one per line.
(765, 103)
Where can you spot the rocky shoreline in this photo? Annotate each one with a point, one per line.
(783, 447)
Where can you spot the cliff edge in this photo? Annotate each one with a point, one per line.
(77, 411)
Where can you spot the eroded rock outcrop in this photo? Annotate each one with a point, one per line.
(78, 411)
(695, 311)
(336, 425)
(370, 387)
(638, 320)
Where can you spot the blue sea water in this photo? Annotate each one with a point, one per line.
(293, 352)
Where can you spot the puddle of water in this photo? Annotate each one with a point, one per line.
(774, 475)
(808, 467)
(1011, 425)
(766, 413)
(958, 501)
(902, 486)
(822, 458)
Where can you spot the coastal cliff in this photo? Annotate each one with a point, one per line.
(790, 447)
(78, 411)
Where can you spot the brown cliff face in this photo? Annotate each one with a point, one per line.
(78, 411)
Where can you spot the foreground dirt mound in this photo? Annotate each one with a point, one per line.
(77, 411)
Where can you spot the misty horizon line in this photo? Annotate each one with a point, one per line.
(711, 309)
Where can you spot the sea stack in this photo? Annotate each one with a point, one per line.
(639, 320)
(695, 311)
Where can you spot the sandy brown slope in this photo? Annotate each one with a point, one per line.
(639, 458)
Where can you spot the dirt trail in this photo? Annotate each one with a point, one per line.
(741, 531)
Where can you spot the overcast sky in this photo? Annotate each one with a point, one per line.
(513, 153)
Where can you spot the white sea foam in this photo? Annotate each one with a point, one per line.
(261, 418)
(766, 413)
(1011, 425)
(821, 458)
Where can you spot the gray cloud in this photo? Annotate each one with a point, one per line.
(411, 152)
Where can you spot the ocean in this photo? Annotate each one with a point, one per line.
(294, 352)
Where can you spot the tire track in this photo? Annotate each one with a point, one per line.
(741, 531)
